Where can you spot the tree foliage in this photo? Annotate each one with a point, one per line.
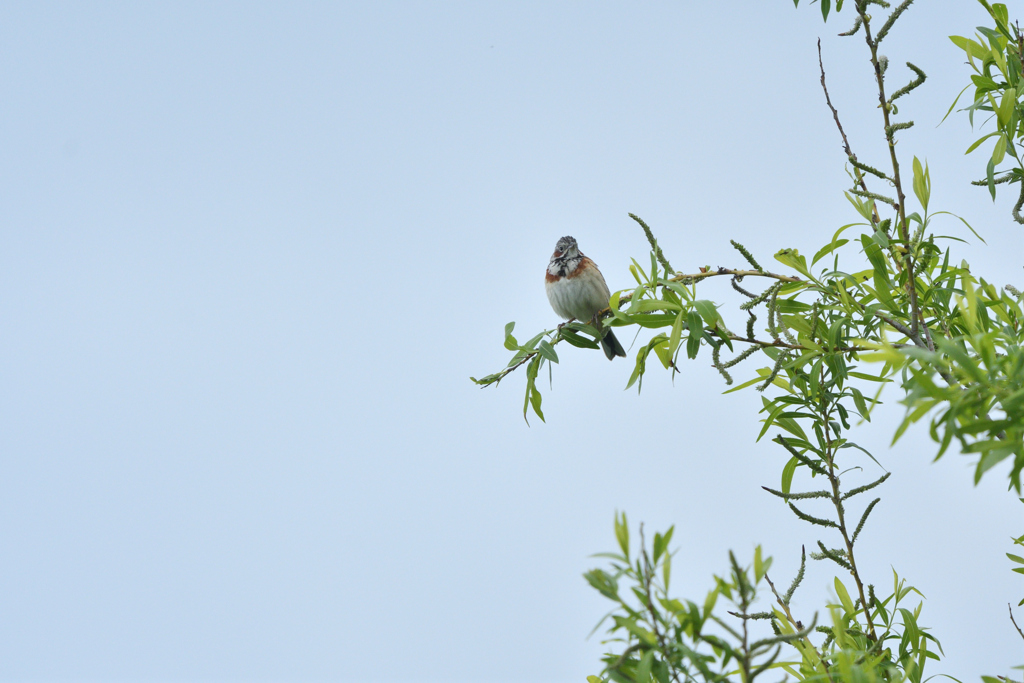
(885, 301)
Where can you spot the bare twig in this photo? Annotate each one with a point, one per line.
(835, 114)
(901, 328)
(1014, 620)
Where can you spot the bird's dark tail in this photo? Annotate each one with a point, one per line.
(611, 346)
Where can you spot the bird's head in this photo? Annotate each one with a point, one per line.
(566, 248)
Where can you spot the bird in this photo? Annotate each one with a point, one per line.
(576, 289)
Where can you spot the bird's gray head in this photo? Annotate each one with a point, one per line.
(567, 248)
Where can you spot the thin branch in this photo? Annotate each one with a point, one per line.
(728, 271)
(902, 329)
(837, 500)
(901, 205)
(1014, 620)
(646, 582)
(776, 343)
(835, 114)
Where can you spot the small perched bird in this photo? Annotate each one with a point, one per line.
(576, 289)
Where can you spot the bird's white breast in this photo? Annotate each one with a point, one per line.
(579, 297)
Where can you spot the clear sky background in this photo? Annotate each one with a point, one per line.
(251, 253)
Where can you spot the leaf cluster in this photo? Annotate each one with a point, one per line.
(994, 54)
(659, 638)
(883, 303)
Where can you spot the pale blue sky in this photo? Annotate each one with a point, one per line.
(251, 253)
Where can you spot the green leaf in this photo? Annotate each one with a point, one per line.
(775, 410)
(759, 565)
(922, 183)
(661, 350)
(661, 542)
(605, 584)
(826, 5)
(864, 206)
(708, 312)
(535, 402)
(679, 289)
(844, 597)
(532, 393)
(880, 238)
(939, 213)
(793, 259)
(677, 332)
(787, 474)
(972, 48)
(791, 426)
(980, 140)
(762, 374)
(693, 321)
(1016, 558)
(984, 83)
(1006, 106)
(910, 626)
(827, 249)
(613, 306)
(957, 99)
(870, 378)
(709, 602)
(622, 534)
(1000, 14)
(530, 345)
(576, 340)
(858, 400)
(510, 342)
(545, 349)
(990, 171)
(653, 305)
(994, 452)
(641, 359)
(999, 151)
(643, 670)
